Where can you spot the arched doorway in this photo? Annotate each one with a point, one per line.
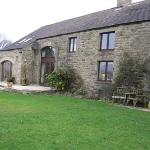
(6, 70)
(47, 63)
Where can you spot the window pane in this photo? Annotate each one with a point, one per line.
(102, 70)
(104, 41)
(75, 44)
(110, 68)
(43, 67)
(51, 52)
(71, 45)
(48, 52)
(111, 40)
(43, 53)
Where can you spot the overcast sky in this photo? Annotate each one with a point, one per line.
(20, 17)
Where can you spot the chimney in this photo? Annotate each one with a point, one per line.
(121, 3)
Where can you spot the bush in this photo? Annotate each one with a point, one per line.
(64, 80)
(131, 72)
(81, 91)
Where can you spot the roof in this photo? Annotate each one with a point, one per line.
(136, 12)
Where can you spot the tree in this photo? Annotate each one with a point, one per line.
(4, 42)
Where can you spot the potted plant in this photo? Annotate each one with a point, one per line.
(10, 82)
(24, 82)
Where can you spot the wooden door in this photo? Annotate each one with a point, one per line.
(6, 70)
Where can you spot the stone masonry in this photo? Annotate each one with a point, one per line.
(131, 38)
(15, 57)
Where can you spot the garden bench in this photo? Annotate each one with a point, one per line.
(138, 96)
(119, 95)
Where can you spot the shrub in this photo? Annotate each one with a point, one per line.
(64, 80)
(80, 91)
(131, 72)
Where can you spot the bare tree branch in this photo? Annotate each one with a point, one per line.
(4, 42)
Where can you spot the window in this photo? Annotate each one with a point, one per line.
(72, 44)
(105, 70)
(108, 41)
(47, 52)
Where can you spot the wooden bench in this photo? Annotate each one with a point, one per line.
(137, 97)
(118, 95)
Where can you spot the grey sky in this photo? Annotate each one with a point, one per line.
(20, 17)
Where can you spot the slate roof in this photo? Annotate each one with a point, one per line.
(136, 12)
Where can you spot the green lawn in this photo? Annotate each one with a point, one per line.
(40, 122)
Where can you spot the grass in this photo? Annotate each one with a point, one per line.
(40, 122)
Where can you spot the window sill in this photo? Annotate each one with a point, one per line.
(106, 50)
(72, 52)
(104, 81)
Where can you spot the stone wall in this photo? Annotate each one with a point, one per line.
(133, 39)
(85, 59)
(27, 67)
(129, 38)
(15, 57)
